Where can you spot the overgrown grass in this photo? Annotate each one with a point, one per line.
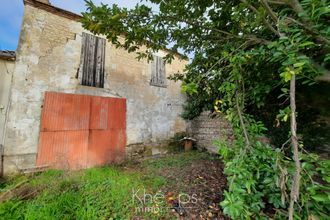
(97, 193)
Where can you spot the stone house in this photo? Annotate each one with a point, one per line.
(71, 99)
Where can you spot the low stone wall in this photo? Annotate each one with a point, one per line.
(209, 127)
(142, 151)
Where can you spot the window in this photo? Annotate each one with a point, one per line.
(158, 73)
(91, 71)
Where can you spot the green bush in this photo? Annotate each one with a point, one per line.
(258, 186)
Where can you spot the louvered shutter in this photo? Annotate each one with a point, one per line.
(158, 72)
(92, 61)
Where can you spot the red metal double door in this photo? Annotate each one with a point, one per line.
(80, 131)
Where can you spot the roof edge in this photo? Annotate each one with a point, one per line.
(7, 55)
(52, 9)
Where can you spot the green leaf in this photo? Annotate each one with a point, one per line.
(286, 76)
(327, 179)
(299, 64)
(306, 44)
(285, 118)
(320, 197)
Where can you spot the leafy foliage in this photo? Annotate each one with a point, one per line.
(270, 41)
(244, 50)
(258, 185)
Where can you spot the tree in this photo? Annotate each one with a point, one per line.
(243, 50)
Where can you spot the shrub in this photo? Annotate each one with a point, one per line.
(258, 186)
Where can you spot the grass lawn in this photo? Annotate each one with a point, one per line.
(112, 192)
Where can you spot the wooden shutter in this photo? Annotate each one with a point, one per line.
(158, 72)
(92, 61)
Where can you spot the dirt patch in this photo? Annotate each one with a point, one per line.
(21, 191)
(199, 186)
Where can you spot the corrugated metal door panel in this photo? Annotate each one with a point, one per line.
(63, 149)
(118, 139)
(117, 113)
(99, 113)
(65, 112)
(79, 131)
(100, 149)
(106, 146)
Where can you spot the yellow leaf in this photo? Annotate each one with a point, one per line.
(285, 118)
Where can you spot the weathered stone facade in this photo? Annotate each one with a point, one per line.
(6, 71)
(207, 128)
(48, 58)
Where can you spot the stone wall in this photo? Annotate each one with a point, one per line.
(6, 71)
(209, 127)
(48, 58)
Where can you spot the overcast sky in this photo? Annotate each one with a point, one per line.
(12, 13)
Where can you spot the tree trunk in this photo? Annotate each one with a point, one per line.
(246, 136)
(296, 178)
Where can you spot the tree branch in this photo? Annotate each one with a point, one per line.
(230, 35)
(277, 2)
(246, 136)
(195, 24)
(264, 19)
(296, 6)
(269, 10)
(319, 37)
(294, 195)
(307, 24)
